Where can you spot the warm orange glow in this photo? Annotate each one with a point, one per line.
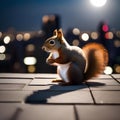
(94, 35)
(19, 37)
(76, 31)
(26, 36)
(31, 69)
(75, 42)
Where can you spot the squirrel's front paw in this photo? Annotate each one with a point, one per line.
(50, 61)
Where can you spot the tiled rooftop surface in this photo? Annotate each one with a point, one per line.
(35, 97)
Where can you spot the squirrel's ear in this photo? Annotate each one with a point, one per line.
(60, 33)
(55, 32)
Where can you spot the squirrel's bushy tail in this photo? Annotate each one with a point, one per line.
(97, 59)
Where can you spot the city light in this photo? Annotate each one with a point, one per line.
(26, 36)
(2, 49)
(31, 69)
(108, 70)
(76, 31)
(85, 37)
(47, 18)
(0, 34)
(2, 56)
(94, 35)
(105, 28)
(30, 48)
(30, 60)
(109, 35)
(6, 39)
(76, 42)
(117, 68)
(19, 37)
(117, 43)
(118, 34)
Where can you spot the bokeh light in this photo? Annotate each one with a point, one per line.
(26, 36)
(76, 42)
(7, 39)
(47, 18)
(19, 37)
(117, 68)
(117, 43)
(30, 48)
(2, 49)
(0, 34)
(109, 35)
(85, 37)
(108, 70)
(30, 60)
(118, 34)
(76, 31)
(31, 68)
(94, 35)
(2, 56)
(105, 28)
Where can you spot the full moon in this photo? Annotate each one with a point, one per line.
(98, 3)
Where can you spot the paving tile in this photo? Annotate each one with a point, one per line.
(34, 88)
(46, 75)
(102, 76)
(60, 97)
(118, 79)
(48, 113)
(42, 82)
(17, 75)
(36, 112)
(13, 96)
(106, 87)
(69, 88)
(56, 87)
(116, 75)
(96, 79)
(98, 112)
(8, 110)
(102, 82)
(107, 97)
(11, 86)
(11, 80)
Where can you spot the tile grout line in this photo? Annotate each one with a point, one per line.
(115, 79)
(75, 113)
(91, 94)
(27, 84)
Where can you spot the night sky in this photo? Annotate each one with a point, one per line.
(26, 15)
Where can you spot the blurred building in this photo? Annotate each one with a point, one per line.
(50, 23)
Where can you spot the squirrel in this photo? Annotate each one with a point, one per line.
(75, 65)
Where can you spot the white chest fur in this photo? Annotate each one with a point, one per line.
(55, 54)
(63, 68)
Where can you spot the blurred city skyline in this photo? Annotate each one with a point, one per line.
(26, 15)
(24, 26)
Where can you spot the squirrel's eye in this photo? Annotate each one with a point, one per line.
(52, 42)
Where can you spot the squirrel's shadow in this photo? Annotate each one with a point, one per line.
(42, 96)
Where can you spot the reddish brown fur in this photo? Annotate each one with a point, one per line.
(93, 54)
(97, 57)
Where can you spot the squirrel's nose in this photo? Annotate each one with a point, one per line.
(43, 47)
